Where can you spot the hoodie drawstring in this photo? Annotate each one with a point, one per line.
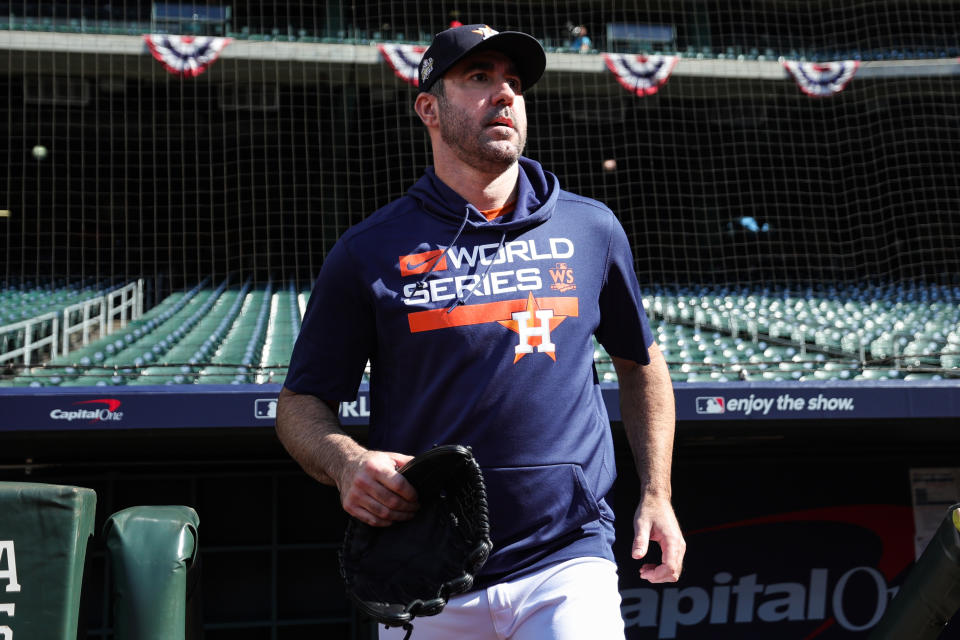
(422, 283)
(459, 301)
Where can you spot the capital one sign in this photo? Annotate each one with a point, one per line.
(824, 573)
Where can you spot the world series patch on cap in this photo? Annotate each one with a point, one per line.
(452, 45)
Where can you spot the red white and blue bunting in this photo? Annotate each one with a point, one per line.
(404, 59)
(185, 55)
(642, 75)
(822, 79)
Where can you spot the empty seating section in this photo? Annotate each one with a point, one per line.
(41, 319)
(99, 362)
(239, 356)
(331, 24)
(116, 359)
(244, 334)
(27, 299)
(284, 327)
(849, 332)
(200, 339)
(23, 301)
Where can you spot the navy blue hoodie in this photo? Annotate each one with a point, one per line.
(479, 333)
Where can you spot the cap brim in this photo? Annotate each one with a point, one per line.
(524, 50)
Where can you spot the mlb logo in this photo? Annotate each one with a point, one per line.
(712, 404)
(265, 408)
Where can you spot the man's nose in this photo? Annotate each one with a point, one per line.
(504, 94)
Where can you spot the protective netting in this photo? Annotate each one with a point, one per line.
(727, 170)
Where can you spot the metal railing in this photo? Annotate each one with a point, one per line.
(25, 333)
(95, 317)
(123, 304)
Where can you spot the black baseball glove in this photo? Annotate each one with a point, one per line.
(411, 568)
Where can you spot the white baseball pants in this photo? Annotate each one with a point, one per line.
(572, 600)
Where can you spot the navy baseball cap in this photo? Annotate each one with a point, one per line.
(450, 46)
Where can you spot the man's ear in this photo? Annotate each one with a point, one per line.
(426, 107)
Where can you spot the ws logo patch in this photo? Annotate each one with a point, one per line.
(562, 276)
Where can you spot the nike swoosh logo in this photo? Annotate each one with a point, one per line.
(411, 267)
(413, 263)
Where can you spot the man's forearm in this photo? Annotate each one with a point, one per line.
(311, 433)
(649, 417)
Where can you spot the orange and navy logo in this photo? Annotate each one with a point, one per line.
(533, 326)
(562, 278)
(435, 260)
(485, 31)
(532, 319)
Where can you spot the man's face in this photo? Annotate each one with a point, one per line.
(483, 118)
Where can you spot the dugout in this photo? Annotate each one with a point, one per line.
(792, 525)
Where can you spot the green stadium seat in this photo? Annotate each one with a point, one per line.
(879, 374)
(916, 375)
(94, 378)
(950, 360)
(775, 375)
(824, 374)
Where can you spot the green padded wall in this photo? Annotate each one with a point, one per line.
(930, 595)
(152, 551)
(44, 531)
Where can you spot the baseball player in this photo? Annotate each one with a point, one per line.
(475, 297)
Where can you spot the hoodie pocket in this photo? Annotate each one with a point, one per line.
(531, 507)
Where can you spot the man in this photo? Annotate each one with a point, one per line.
(475, 298)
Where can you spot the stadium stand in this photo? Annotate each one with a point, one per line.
(731, 35)
(245, 334)
(850, 332)
(43, 321)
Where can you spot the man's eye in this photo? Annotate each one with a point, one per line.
(514, 84)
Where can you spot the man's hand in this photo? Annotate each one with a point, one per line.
(655, 520)
(371, 488)
(374, 492)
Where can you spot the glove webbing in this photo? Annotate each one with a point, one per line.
(415, 607)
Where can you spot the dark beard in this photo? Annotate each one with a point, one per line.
(458, 132)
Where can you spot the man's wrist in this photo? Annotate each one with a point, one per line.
(344, 453)
(656, 493)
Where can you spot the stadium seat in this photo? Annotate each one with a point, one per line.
(870, 373)
(920, 375)
(94, 377)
